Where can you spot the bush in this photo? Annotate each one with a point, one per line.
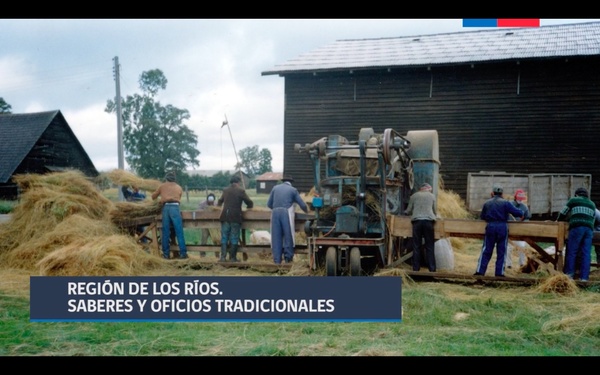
(6, 207)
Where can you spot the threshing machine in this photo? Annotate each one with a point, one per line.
(356, 187)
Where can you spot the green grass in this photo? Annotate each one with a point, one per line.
(6, 207)
(496, 323)
(189, 200)
(439, 319)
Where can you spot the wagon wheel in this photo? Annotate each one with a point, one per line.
(355, 267)
(331, 265)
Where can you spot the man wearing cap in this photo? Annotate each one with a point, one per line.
(579, 212)
(518, 202)
(231, 217)
(496, 212)
(422, 208)
(209, 202)
(282, 200)
(170, 196)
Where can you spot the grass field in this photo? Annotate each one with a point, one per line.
(439, 319)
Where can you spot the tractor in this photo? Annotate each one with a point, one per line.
(359, 184)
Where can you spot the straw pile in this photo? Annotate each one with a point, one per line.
(559, 284)
(63, 226)
(451, 206)
(127, 210)
(114, 255)
(125, 178)
(46, 201)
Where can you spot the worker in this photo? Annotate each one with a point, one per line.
(136, 195)
(282, 202)
(597, 229)
(170, 197)
(579, 212)
(422, 208)
(518, 201)
(495, 212)
(231, 217)
(208, 202)
(126, 193)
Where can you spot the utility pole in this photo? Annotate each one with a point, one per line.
(119, 114)
(119, 122)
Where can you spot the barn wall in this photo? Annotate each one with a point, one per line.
(269, 184)
(56, 147)
(537, 116)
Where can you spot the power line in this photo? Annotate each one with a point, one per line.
(52, 77)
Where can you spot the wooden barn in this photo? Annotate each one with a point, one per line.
(266, 181)
(518, 100)
(38, 143)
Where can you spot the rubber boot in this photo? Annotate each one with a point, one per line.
(233, 254)
(223, 253)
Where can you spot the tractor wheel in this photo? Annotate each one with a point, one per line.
(355, 267)
(331, 263)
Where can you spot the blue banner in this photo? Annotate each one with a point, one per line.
(216, 299)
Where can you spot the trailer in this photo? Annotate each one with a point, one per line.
(546, 194)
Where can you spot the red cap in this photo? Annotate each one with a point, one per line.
(520, 195)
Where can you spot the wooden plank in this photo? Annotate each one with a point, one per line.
(249, 249)
(457, 276)
(529, 231)
(401, 226)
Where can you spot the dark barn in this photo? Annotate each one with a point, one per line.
(267, 181)
(38, 143)
(524, 100)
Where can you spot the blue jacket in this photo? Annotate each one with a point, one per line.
(285, 195)
(498, 209)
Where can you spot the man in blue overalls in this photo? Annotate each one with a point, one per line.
(281, 201)
(496, 212)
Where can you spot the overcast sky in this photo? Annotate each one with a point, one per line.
(213, 68)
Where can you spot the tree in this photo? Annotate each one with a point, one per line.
(155, 138)
(264, 162)
(5, 107)
(255, 162)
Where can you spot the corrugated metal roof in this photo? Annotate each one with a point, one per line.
(270, 176)
(451, 48)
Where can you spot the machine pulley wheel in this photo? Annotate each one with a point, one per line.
(388, 152)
